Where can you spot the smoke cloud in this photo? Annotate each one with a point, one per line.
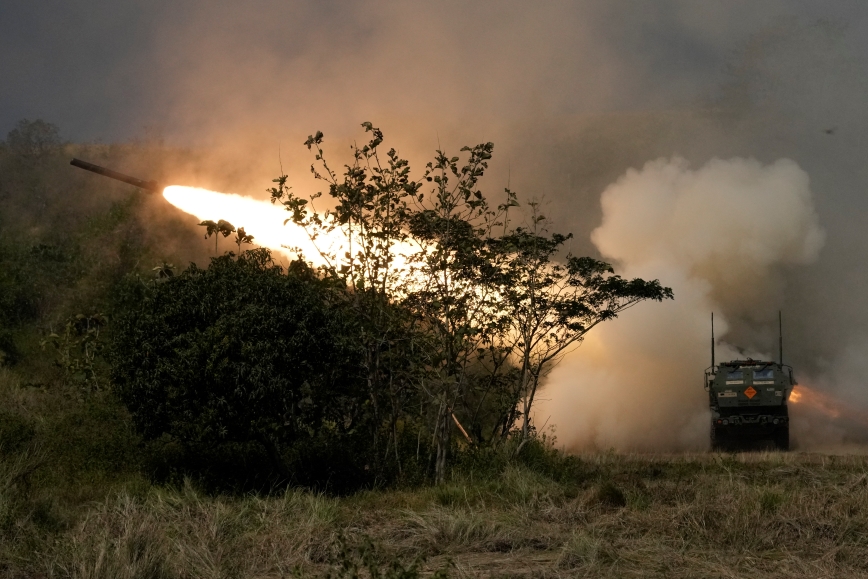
(720, 236)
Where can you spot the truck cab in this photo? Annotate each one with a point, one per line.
(748, 402)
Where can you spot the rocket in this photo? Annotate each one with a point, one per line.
(150, 186)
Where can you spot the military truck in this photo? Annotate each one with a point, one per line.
(748, 401)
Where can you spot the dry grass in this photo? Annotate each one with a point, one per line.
(757, 515)
(702, 515)
(183, 534)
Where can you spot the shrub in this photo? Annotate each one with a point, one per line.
(245, 364)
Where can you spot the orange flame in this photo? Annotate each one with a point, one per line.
(269, 224)
(261, 219)
(817, 400)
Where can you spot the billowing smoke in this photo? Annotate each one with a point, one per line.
(721, 236)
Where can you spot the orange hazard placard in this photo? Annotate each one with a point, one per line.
(750, 392)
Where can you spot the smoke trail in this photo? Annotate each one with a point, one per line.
(719, 236)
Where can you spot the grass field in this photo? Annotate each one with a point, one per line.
(74, 504)
(704, 515)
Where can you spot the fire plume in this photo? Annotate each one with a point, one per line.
(817, 400)
(270, 226)
(261, 219)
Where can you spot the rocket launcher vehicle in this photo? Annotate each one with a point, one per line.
(150, 186)
(748, 400)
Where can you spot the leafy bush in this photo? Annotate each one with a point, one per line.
(242, 369)
(538, 454)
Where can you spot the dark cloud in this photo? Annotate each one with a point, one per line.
(105, 69)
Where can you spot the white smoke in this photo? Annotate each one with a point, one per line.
(718, 236)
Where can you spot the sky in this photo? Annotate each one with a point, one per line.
(574, 94)
(251, 80)
(112, 70)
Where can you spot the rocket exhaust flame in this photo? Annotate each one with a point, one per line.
(823, 403)
(826, 423)
(269, 224)
(829, 406)
(260, 218)
(266, 222)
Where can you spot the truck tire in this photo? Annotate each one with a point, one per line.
(718, 440)
(782, 438)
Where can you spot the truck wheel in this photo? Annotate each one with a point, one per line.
(718, 442)
(782, 438)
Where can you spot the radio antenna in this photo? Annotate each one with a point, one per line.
(712, 339)
(780, 339)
